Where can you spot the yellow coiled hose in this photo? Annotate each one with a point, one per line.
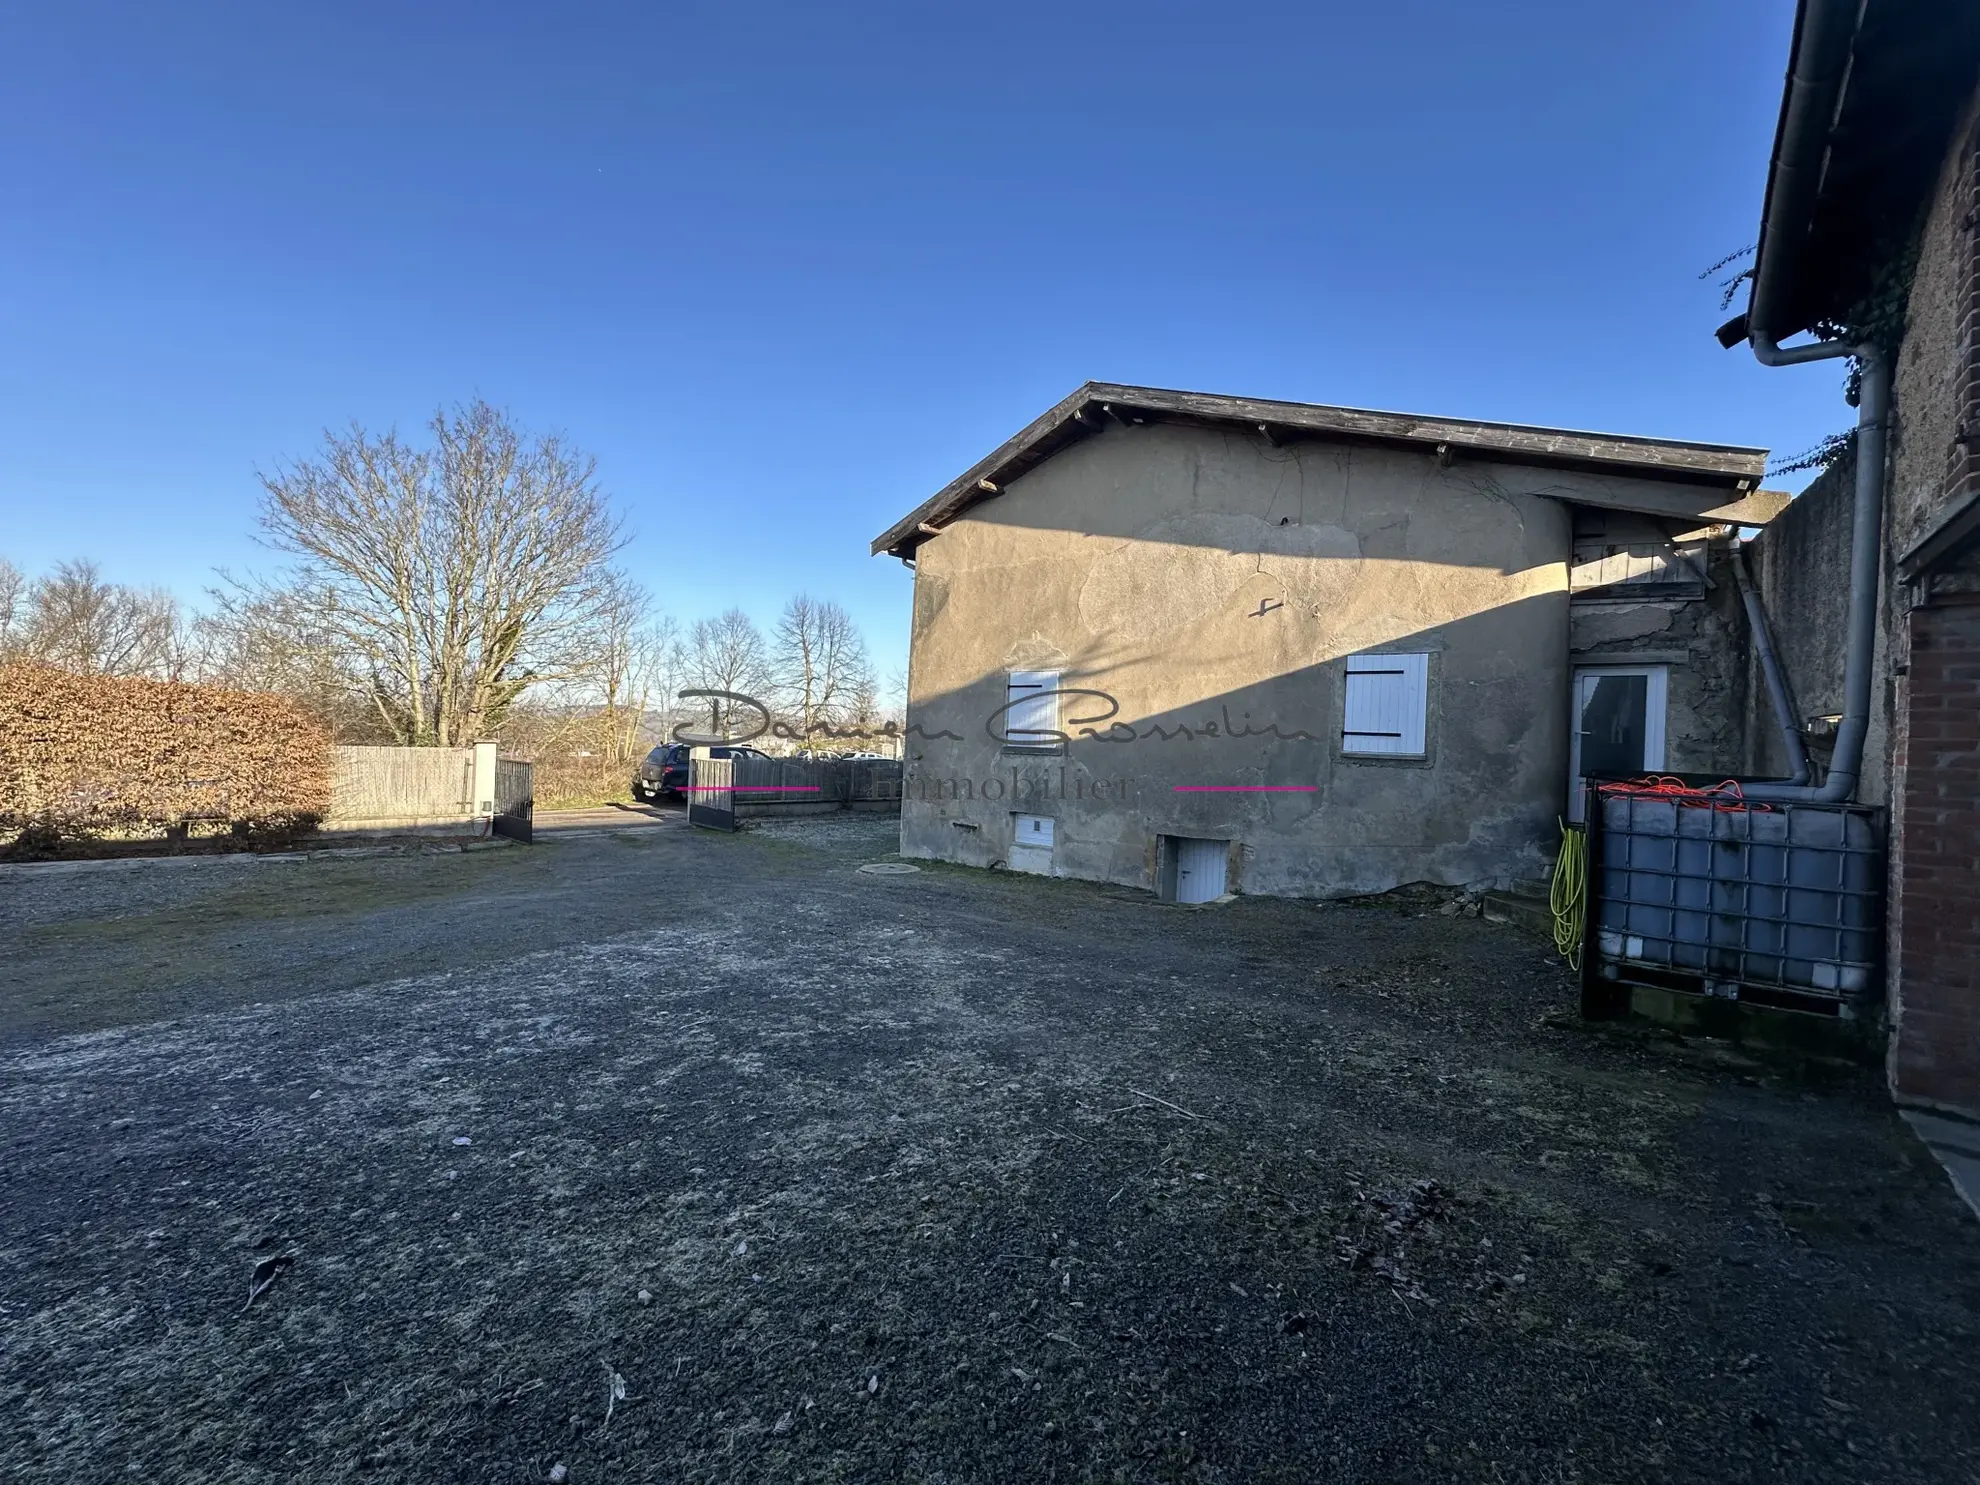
(1568, 896)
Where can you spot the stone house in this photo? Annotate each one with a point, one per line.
(1198, 643)
(1870, 239)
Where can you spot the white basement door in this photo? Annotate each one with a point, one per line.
(1200, 869)
(1031, 844)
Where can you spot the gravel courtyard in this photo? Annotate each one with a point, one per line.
(683, 1157)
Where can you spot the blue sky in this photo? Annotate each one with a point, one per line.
(787, 269)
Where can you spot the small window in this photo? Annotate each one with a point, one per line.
(1031, 711)
(1385, 702)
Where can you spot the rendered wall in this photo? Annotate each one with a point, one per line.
(1210, 584)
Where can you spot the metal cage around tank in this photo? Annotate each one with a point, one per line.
(1775, 904)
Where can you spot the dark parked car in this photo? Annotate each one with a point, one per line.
(663, 773)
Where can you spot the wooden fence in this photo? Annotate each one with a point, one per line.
(411, 785)
(451, 790)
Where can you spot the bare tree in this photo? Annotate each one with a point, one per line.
(819, 660)
(891, 703)
(861, 713)
(670, 669)
(453, 577)
(13, 585)
(631, 651)
(726, 653)
(657, 656)
(76, 620)
(279, 639)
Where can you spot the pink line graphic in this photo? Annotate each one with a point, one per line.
(754, 788)
(1246, 788)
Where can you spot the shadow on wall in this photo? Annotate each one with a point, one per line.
(1471, 798)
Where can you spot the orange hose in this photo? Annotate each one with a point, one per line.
(1725, 795)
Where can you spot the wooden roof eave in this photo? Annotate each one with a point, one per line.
(1731, 467)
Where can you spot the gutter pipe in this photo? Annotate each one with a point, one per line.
(1770, 668)
(1821, 69)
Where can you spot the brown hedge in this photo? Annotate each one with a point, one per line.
(81, 754)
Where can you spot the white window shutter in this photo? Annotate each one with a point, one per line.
(1385, 708)
(1031, 716)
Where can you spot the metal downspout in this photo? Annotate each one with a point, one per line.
(1822, 63)
(1770, 668)
(1865, 560)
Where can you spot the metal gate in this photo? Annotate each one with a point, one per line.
(711, 792)
(1777, 904)
(515, 799)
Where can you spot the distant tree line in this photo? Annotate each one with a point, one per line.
(464, 588)
(72, 619)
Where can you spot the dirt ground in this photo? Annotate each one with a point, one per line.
(679, 1157)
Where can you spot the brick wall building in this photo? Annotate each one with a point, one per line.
(1935, 930)
(1934, 936)
(1885, 247)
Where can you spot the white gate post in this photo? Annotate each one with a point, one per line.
(483, 802)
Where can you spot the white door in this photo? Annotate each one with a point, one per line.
(1200, 869)
(1615, 726)
(1031, 843)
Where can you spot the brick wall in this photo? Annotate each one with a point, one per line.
(1934, 919)
(1963, 448)
(1935, 1053)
